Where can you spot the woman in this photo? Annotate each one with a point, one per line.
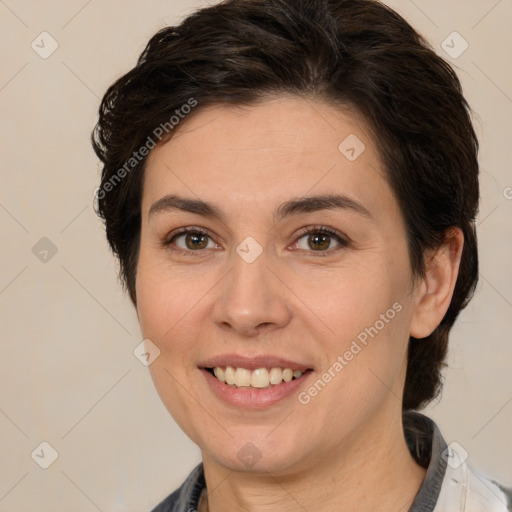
(291, 189)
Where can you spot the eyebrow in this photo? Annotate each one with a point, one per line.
(293, 207)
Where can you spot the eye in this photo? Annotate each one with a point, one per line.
(191, 240)
(320, 240)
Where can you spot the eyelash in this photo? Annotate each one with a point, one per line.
(321, 230)
(342, 240)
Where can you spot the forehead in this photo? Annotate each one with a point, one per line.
(267, 152)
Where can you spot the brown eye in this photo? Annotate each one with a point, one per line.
(193, 241)
(320, 240)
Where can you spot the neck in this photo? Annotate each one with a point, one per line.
(373, 470)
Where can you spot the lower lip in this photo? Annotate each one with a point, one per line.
(253, 398)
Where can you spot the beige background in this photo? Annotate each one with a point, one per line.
(67, 372)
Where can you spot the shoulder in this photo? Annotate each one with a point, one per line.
(467, 489)
(186, 497)
(450, 484)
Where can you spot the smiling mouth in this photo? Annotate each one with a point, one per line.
(260, 378)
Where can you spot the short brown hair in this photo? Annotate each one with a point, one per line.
(353, 53)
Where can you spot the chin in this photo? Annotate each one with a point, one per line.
(255, 454)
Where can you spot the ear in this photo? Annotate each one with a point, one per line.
(434, 291)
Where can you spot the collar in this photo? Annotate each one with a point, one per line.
(427, 446)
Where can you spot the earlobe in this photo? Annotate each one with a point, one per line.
(435, 290)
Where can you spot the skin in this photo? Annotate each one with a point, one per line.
(345, 449)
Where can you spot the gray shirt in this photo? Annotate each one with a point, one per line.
(450, 485)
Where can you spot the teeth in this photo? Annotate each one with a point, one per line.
(276, 376)
(259, 378)
(242, 377)
(230, 375)
(219, 373)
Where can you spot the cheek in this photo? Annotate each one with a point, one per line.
(167, 301)
(363, 371)
(352, 296)
(167, 306)
(362, 325)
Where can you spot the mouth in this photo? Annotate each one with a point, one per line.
(255, 381)
(258, 378)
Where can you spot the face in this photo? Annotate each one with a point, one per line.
(270, 240)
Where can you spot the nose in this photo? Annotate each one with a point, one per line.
(251, 299)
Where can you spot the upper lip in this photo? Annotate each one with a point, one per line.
(253, 362)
